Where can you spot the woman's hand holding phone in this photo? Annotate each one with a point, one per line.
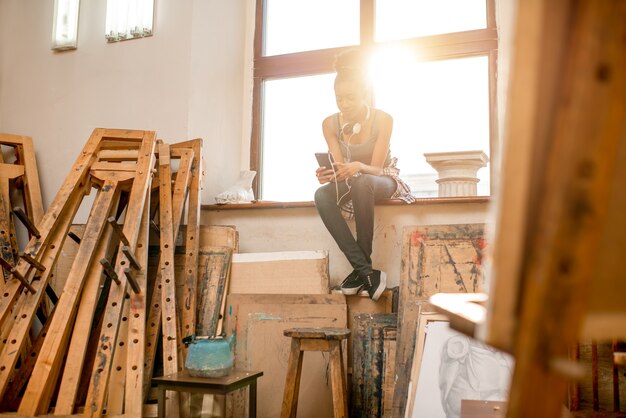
(325, 172)
(325, 175)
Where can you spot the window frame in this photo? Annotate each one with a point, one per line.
(479, 42)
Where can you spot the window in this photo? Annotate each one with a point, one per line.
(128, 19)
(433, 69)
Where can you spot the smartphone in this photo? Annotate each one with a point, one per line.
(323, 159)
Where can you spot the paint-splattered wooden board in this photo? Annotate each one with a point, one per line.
(436, 258)
(358, 305)
(373, 343)
(443, 259)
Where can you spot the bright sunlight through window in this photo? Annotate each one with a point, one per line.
(294, 26)
(438, 105)
(401, 19)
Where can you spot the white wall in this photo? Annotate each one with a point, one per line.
(186, 81)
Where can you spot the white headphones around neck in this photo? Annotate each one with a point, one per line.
(355, 128)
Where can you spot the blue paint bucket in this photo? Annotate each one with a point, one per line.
(209, 357)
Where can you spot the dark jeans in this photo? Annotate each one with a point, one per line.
(365, 190)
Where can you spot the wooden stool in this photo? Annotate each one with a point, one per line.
(316, 339)
(182, 382)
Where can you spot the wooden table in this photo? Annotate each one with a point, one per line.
(183, 382)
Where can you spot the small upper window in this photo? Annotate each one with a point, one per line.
(297, 26)
(129, 19)
(403, 19)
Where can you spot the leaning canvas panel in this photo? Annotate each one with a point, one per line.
(258, 322)
(449, 367)
(435, 258)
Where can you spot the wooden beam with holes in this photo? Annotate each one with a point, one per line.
(169, 321)
(70, 381)
(135, 356)
(98, 386)
(192, 239)
(181, 189)
(38, 393)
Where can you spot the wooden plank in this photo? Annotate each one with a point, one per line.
(605, 318)
(535, 76)
(212, 288)
(214, 236)
(483, 409)
(20, 377)
(154, 312)
(574, 200)
(117, 294)
(117, 382)
(137, 325)
(66, 398)
(25, 156)
(43, 380)
(192, 238)
(259, 322)
(11, 171)
(606, 394)
(285, 272)
(153, 332)
(171, 357)
(390, 336)
(358, 305)
(109, 166)
(443, 258)
(221, 308)
(32, 188)
(118, 155)
(369, 363)
(64, 264)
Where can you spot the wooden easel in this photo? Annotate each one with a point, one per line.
(560, 221)
(96, 350)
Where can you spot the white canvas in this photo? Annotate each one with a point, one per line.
(455, 367)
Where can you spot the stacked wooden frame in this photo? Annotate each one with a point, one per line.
(95, 350)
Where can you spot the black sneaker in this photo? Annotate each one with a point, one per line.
(352, 284)
(375, 283)
(337, 287)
